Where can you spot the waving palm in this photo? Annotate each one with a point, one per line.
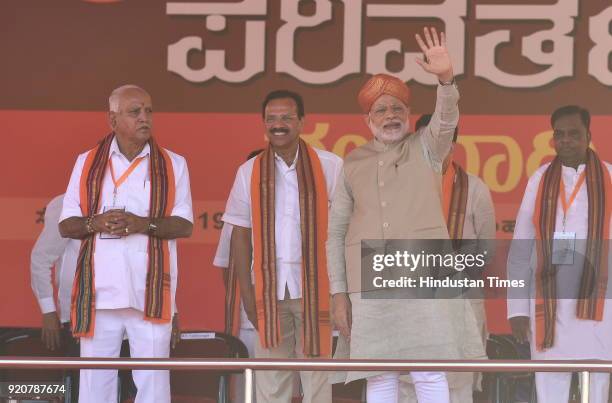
(437, 60)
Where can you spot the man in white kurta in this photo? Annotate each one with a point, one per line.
(121, 250)
(574, 338)
(283, 112)
(51, 250)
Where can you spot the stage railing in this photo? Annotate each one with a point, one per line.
(248, 366)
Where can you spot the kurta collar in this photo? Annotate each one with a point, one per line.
(382, 147)
(280, 161)
(114, 149)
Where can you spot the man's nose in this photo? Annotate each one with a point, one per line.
(278, 124)
(143, 116)
(390, 114)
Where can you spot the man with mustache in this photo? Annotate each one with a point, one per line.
(278, 207)
(564, 312)
(390, 189)
(127, 201)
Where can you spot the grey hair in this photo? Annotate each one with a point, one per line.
(113, 99)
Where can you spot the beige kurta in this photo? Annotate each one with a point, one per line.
(479, 225)
(393, 192)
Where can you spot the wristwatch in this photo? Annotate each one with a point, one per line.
(152, 227)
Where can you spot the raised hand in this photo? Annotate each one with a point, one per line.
(437, 60)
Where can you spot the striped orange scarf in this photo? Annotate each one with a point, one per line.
(454, 201)
(232, 299)
(313, 223)
(158, 298)
(594, 279)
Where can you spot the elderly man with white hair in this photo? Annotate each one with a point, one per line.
(127, 201)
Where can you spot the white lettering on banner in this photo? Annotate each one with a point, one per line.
(285, 40)
(599, 32)
(215, 59)
(559, 60)
(451, 12)
(556, 63)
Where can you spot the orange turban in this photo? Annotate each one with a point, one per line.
(381, 84)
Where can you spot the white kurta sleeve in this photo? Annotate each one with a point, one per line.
(47, 251)
(221, 259)
(519, 266)
(484, 219)
(238, 207)
(334, 178)
(183, 205)
(339, 218)
(71, 206)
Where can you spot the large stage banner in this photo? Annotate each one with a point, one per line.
(209, 64)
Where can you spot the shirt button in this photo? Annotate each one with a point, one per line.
(381, 184)
(380, 163)
(386, 225)
(384, 204)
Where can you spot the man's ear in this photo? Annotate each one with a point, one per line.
(366, 119)
(112, 119)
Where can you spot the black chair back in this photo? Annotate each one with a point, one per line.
(28, 343)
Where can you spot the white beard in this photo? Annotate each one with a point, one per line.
(389, 136)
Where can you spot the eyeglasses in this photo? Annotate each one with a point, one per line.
(286, 119)
(381, 111)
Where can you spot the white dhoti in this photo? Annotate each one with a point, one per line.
(430, 387)
(457, 394)
(249, 337)
(554, 387)
(147, 340)
(575, 339)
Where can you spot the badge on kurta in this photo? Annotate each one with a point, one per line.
(564, 245)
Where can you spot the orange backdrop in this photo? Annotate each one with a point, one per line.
(208, 65)
(503, 150)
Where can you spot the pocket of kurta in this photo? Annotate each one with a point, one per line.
(109, 271)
